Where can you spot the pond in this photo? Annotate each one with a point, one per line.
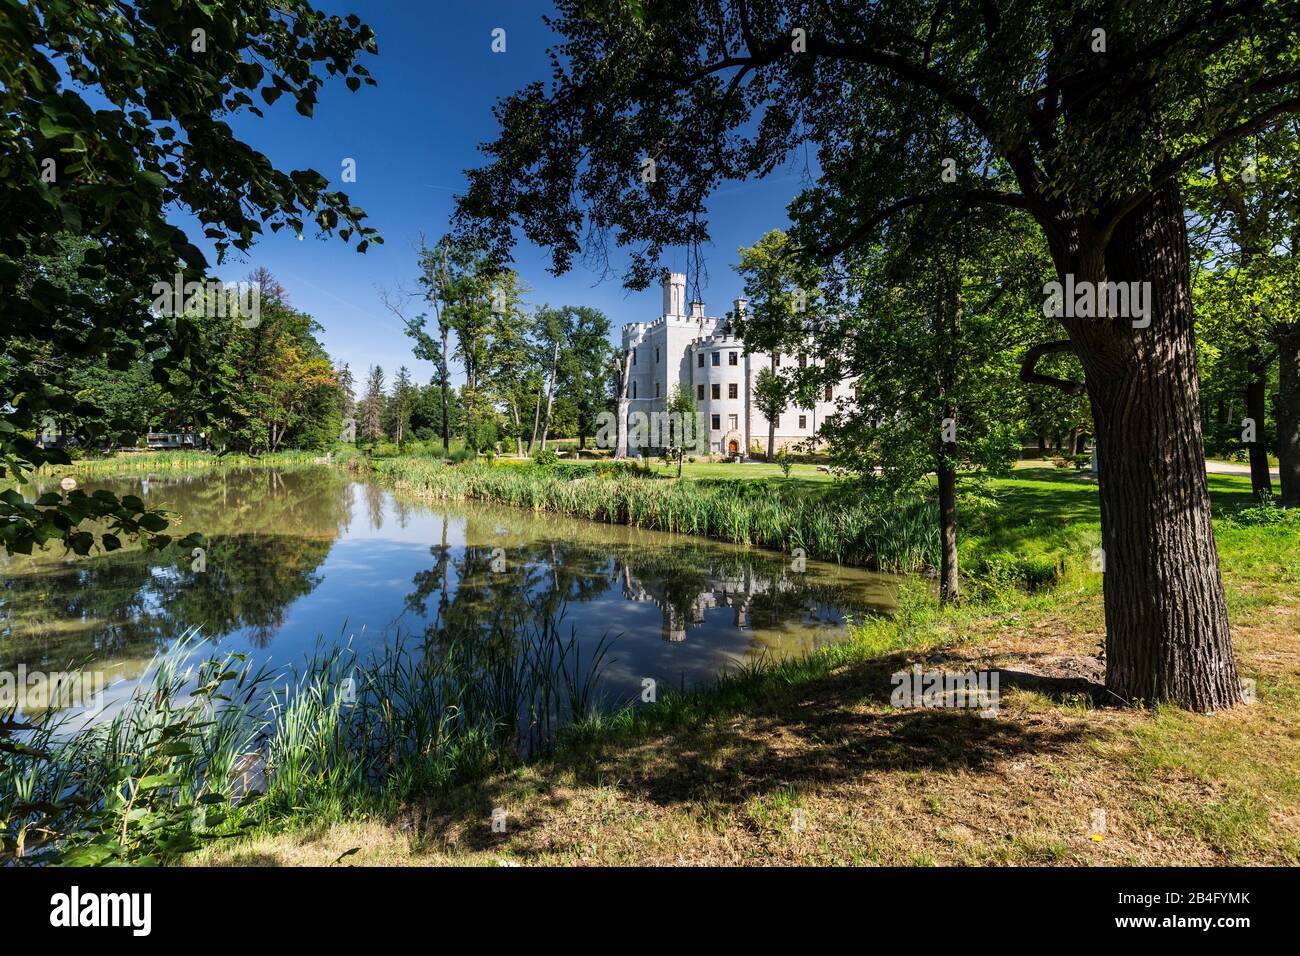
(301, 558)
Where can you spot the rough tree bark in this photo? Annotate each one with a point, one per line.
(1167, 632)
(1261, 481)
(948, 582)
(1286, 412)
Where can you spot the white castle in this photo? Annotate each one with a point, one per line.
(701, 353)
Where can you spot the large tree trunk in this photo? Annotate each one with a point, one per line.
(1261, 482)
(1286, 412)
(948, 582)
(1167, 635)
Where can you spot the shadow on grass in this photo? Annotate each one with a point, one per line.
(814, 735)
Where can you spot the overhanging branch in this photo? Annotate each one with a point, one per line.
(1030, 375)
(974, 197)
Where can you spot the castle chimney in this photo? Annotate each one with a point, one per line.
(674, 293)
(738, 307)
(697, 309)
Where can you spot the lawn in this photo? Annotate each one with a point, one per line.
(799, 473)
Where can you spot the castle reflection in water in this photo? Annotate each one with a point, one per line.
(749, 594)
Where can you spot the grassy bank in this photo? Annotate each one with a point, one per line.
(174, 462)
(826, 523)
(206, 748)
(799, 761)
(806, 761)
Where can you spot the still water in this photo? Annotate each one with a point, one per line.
(306, 557)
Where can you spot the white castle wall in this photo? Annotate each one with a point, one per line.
(670, 349)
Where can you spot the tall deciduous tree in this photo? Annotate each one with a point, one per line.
(583, 370)
(930, 329)
(1246, 222)
(783, 290)
(770, 398)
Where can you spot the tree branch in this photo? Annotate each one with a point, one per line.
(965, 103)
(1028, 364)
(1072, 86)
(975, 197)
(1175, 164)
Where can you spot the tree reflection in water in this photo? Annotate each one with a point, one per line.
(268, 532)
(350, 555)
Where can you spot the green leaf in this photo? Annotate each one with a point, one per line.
(153, 521)
(155, 780)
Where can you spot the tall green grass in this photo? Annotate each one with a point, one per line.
(206, 749)
(833, 525)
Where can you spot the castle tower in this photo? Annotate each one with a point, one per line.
(674, 293)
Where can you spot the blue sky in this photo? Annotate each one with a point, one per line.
(412, 137)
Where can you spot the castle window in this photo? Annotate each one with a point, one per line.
(701, 360)
(803, 421)
(776, 360)
(699, 392)
(656, 354)
(634, 389)
(634, 356)
(732, 390)
(731, 358)
(656, 389)
(715, 391)
(734, 422)
(830, 393)
(803, 361)
(717, 358)
(717, 423)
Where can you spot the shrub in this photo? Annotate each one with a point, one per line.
(1266, 513)
(784, 460)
